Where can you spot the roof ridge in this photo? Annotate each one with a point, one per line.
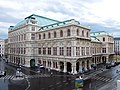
(44, 17)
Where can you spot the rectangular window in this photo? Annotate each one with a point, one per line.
(49, 51)
(103, 50)
(68, 51)
(83, 51)
(32, 36)
(44, 51)
(24, 36)
(61, 50)
(54, 50)
(87, 50)
(77, 51)
(24, 50)
(33, 28)
(39, 50)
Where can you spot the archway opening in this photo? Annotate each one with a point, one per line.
(61, 66)
(87, 64)
(69, 68)
(77, 66)
(83, 66)
(32, 63)
(104, 59)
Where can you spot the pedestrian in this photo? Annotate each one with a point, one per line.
(117, 71)
(51, 73)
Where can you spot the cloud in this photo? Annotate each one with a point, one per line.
(102, 13)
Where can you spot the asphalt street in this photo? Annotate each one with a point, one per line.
(33, 80)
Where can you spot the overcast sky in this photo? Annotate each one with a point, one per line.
(100, 15)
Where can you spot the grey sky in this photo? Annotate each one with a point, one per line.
(96, 13)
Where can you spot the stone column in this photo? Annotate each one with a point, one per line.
(90, 63)
(46, 63)
(51, 64)
(65, 68)
(80, 67)
(85, 65)
(58, 64)
(107, 59)
(74, 68)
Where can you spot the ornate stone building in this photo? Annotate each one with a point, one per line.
(2, 47)
(65, 46)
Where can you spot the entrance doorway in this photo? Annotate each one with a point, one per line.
(61, 66)
(69, 68)
(32, 63)
(77, 66)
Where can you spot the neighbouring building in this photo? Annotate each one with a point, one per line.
(6, 48)
(65, 46)
(2, 47)
(117, 45)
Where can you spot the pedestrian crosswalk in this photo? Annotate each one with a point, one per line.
(36, 76)
(8, 77)
(26, 76)
(101, 78)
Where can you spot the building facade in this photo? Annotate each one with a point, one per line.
(117, 46)
(2, 48)
(65, 46)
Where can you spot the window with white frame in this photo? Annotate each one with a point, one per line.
(44, 51)
(77, 51)
(32, 36)
(54, 50)
(61, 50)
(68, 51)
(49, 51)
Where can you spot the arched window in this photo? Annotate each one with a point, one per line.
(61, 33)
(77, 32)
(68, 32)
(44, 36)
(103, 38)
(39, 36)
(54, 34)
(49, 35)
(83, 33)
(87, 34)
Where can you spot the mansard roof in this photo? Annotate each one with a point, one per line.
(100, 33)
(63, 23)
(94, 39)
(117, 38)
(41, 21)
(46, 23)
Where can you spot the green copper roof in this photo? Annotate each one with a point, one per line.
(63, 23)
(41, 21)
(100, 33)
(94, 39)
(117, 38)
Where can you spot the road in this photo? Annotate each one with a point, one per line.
(44, 81)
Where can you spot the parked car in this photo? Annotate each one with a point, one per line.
(94, 66)
(19, 74)
(108, 65)
(2, 73)
(113, 64)
(41, 67)
(117, 63)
